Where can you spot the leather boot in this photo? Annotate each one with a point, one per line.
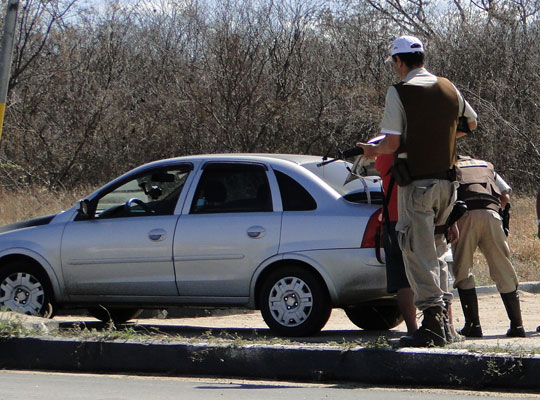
(511, 303)
(431, 333)
(469, 304)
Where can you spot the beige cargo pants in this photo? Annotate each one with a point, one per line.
(422, 205)
(483, 229)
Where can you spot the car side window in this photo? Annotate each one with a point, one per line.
(232, 188)
(153, 192)
(293, 195)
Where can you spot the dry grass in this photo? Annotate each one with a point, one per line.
(19, 205)
(525, 245)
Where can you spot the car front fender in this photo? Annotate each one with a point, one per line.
(29, 254)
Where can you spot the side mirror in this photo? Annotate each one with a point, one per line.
(83, 209)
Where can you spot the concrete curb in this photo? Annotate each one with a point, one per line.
(425, 367)
(310, 363)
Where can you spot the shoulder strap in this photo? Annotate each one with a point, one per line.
(386, 200)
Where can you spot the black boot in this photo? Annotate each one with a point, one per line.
(469, 304)
(431, 333)
(511, 303)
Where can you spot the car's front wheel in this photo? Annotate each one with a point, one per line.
(373, 316)
(25, 289)
(294, 302)
(114, 314)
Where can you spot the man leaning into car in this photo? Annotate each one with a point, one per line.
(420, 120)
(485, 193)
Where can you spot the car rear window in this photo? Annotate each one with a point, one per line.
(293, 195)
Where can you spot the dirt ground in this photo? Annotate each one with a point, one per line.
(249, 325)
(492, 316)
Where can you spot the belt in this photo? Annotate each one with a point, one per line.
(482, 204)
(448, 175)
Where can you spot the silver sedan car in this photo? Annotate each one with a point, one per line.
(279, 233)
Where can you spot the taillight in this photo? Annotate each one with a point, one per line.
(372, 234)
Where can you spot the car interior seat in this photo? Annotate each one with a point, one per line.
(264, 200)
(215, 193)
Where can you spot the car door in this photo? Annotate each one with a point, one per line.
(125, 248)
(229, 229)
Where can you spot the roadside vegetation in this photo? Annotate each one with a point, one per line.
(12, 325)
(95, 92)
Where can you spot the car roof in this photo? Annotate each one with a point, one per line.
(331, 174)
(295, 158)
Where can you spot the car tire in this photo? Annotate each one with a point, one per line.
(26, 289)
(114, 314)
(371, 317)
(294, 302)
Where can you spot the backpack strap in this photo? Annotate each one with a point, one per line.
(386, 201)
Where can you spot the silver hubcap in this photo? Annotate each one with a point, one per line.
(290, 301)
(23, 293)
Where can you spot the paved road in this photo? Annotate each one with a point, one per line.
(54, 386)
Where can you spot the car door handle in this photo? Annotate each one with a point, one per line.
(157, 235)
(256, 232)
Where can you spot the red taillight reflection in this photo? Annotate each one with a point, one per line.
(372, 235)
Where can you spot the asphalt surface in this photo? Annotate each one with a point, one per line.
(210, 351)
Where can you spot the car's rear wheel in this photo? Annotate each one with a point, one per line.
(373, 316)
(294, 302)
(26, 289)
(115, 314)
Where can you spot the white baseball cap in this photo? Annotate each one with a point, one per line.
(406, 44)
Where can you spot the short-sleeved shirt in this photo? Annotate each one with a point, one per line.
(501, 184)
(394, 121)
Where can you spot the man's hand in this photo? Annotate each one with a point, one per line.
(388, 145)
(370, 150)
(452, 235)
(505, 198)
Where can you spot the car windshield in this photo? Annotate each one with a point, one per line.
(158, 189)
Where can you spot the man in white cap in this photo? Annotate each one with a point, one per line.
(419, 124)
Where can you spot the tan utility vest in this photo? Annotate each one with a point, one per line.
(477, 186)
(431, 113)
